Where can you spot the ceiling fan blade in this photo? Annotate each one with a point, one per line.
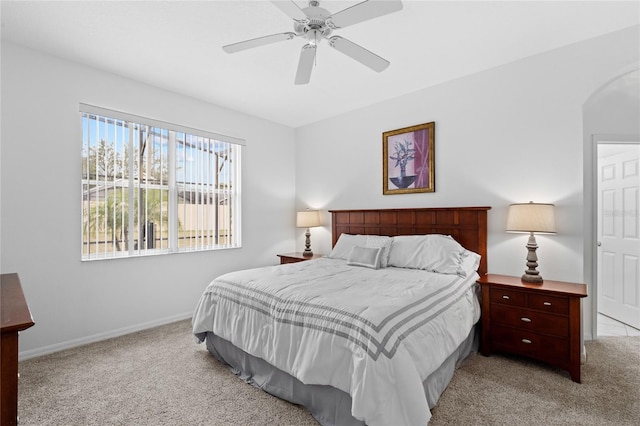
(359, 53)
(364, 11)
(255, 42)
(305, 65)
(291, 10)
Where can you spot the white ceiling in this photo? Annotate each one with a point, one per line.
(176, 45)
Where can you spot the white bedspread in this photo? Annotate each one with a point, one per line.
(375, 334)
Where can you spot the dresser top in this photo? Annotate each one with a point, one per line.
(14, 312)
(558, 287)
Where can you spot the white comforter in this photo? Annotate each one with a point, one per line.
(375, 334)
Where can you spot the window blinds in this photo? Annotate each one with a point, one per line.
(149, 187)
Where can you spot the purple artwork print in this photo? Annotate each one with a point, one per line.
(408, 159)
(401, 173)
(421, 157)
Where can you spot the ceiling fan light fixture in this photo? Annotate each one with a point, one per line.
(314, 36)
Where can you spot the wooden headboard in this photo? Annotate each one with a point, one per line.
(468, 225)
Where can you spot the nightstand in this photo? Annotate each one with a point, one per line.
(296, 257)
(540, 321)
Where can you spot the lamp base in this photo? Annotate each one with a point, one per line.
(532, 278)
(307, 244)
(531, 275)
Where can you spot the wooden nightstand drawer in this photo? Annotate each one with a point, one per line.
(527, 343)
(508, 297)
(538, 320)
(555, 304)
(526, 319)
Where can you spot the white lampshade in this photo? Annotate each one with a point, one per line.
(308, 219)
(531, 217)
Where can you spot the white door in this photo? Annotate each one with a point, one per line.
(619, 232)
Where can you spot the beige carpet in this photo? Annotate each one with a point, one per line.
(501, 390)
(161, 377)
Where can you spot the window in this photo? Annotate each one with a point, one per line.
(149, 187)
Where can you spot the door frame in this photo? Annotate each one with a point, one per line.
(591, 239)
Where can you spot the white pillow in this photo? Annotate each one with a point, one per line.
(345, 243)
(369, 257)
(384, 243)
(469, 264)
(434, 252)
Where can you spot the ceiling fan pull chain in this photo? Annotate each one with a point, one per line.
(315, 51)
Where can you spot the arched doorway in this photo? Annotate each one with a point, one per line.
(611, 120)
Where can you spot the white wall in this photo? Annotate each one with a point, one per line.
(509, 134)
(74, 302)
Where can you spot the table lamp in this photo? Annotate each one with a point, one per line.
(531, 217)
(308, 219)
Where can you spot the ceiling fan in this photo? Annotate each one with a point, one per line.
(315, 23)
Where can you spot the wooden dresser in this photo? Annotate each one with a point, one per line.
(14, 317)
(540, 321)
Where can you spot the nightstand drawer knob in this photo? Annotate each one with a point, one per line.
(505, 297)
(525, 319)
(527, 341)
(547, 303)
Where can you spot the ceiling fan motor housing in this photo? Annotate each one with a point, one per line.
(315, 27)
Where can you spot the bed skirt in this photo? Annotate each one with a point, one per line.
(328, 405)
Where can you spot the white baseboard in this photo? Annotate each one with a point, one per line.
(45, 350)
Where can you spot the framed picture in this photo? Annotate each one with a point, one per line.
(408, 160)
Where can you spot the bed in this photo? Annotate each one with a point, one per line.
(372, 333)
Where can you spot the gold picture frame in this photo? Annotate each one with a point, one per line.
(408, 163)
